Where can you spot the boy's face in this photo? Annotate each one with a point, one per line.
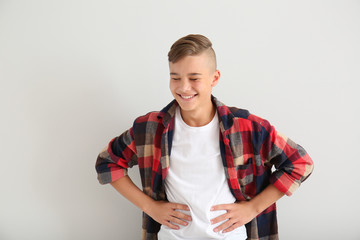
(191, 81)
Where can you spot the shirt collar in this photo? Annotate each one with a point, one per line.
(224, 113)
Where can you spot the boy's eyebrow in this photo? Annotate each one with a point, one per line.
(190, 74)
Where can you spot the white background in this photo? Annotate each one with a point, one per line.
(74, 74)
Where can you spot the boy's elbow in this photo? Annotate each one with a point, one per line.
(308, 167)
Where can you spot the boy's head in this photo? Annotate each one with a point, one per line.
(193, 75)
(192, 45)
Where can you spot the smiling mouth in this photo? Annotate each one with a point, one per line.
(187, 97)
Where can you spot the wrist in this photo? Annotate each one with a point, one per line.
(265, 199)
(254, 206)
(148, 205)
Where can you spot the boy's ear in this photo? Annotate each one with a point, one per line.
(216, 78)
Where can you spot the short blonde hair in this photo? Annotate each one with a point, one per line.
(190, 45)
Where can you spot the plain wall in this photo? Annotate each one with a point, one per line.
(75, 74)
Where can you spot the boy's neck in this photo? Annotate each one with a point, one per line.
(200, 117)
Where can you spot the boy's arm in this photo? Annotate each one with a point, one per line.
(293, 166)
(111, 166)
(240, 213)
(163, 212)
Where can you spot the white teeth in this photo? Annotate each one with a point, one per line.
(187, 97)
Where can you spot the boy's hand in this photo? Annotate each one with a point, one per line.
(165, 213)
(238, 214)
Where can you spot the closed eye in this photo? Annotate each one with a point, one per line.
(193, 79)
(175, 79)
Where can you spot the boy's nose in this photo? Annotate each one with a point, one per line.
(185, 85)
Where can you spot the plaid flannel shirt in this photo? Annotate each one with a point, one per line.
(249, 147)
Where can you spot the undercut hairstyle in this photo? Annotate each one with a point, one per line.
(191, 45)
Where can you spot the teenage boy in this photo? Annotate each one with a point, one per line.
(206, 169)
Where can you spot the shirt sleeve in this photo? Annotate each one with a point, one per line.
(292, 163)
(113, 160)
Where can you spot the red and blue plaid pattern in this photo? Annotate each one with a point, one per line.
(249, 147)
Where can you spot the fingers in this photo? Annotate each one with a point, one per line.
(220, 218)
(230, 220)
(170, 225)
(178, 221)
(181, 215)
(221, 207)
(223, 226)
(173, 217)
(228, 226)
(178, 214)
(180, 206)
(231, 228)
(226, 207)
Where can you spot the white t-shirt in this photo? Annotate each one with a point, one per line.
(196, 178)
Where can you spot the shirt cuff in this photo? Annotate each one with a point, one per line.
(284, 183)
(111, 176)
